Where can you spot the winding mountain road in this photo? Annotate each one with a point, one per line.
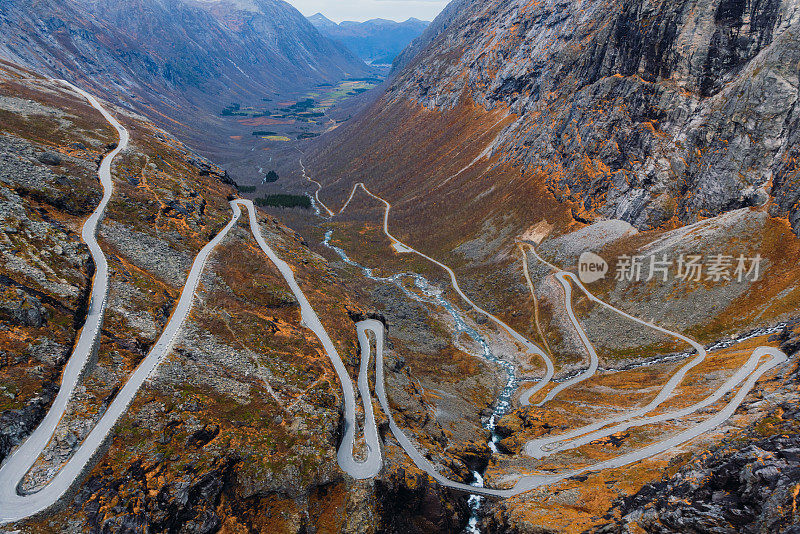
(316, 191)
(17, 464)
(14, 507)
(746, 377)
(544, 446)
(398, 245)
(372, 465)
(530, 482)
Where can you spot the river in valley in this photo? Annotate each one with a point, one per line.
(424, 291)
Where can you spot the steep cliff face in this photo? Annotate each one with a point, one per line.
(449, 15)
(178, 62)
(656, 113)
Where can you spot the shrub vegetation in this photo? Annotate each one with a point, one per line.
(284, 201)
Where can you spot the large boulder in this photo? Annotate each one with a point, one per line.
(21, 309)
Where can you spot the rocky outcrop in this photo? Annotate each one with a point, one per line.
(20, 308)
(17, 424)
(189, 507)
(412, 502)
(732, 490)
(32, 173)
(790, 337)
(207, 168)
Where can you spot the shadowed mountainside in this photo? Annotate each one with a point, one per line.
(180, 62)
(376, 41)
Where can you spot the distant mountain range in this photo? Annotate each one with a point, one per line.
(178, 61)
(376, 41)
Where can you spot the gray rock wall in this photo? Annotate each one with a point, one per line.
(643, 110)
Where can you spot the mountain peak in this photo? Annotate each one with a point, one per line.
(377, 41)
(182, 48)
(320, 20)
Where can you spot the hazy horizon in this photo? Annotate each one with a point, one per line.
(361, 10)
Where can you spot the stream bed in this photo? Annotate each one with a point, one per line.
(430, 294)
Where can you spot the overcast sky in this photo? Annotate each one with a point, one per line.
(399, 10)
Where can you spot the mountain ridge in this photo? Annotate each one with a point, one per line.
(377, 41)
(457, 63)
(177, 61)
